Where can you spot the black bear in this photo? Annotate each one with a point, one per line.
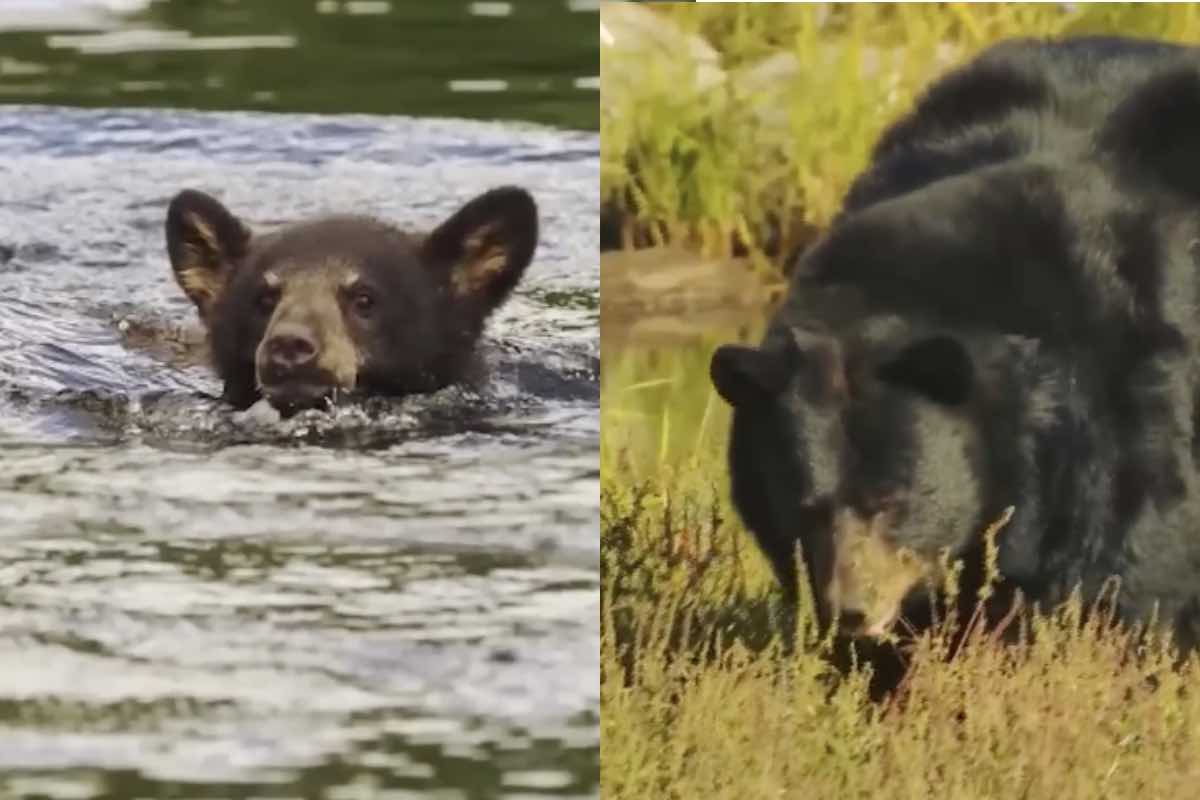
(1004, 315)
(347, 303)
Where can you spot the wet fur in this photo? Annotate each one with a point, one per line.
(432, 292)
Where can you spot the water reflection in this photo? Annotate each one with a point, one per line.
(168, 664)
(144, 41)
(665, 312)
(529, 59)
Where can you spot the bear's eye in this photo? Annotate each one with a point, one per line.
(363, 301)
(266, 300)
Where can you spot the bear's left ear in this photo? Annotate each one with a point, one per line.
(1155, 130)
(486, 245)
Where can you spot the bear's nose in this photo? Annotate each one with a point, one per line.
(290, 350)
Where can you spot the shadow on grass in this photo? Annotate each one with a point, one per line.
(674, 575)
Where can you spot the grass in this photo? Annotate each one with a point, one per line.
(701, 696)
(761, 163)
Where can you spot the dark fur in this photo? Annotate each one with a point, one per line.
(347, 303)
(1004, 314)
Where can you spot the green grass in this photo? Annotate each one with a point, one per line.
(700, 696)
(710, 168)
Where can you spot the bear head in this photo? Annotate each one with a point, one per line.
(346, 303)
(868, 450)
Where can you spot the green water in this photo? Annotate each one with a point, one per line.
(658, 407)
(535, 60)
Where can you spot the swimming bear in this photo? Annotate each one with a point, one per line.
(347, 304)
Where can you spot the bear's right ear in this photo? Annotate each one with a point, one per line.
(205, 242)
(746, 376)
(938, 367)
(1155, 129)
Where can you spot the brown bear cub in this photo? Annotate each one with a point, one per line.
(347, 304)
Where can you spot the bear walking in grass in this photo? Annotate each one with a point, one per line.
(1004, 314)
(347, 304)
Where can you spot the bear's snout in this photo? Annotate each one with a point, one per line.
(290, 370)
(871, 574)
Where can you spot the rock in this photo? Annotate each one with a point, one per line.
(633, 36)
(669, 293)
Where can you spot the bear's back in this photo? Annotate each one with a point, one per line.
(1018, 98)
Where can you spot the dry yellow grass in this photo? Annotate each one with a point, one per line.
(700, 698)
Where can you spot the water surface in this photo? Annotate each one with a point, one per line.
(535, 60)
(399, 599)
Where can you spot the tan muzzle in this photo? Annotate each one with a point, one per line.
(871, 575)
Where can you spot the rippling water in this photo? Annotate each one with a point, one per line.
(399, 597)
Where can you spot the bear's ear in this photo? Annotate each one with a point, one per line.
(938, 367)
(205, 242)
(1156, 128)
(747, 376)
(486, 245)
